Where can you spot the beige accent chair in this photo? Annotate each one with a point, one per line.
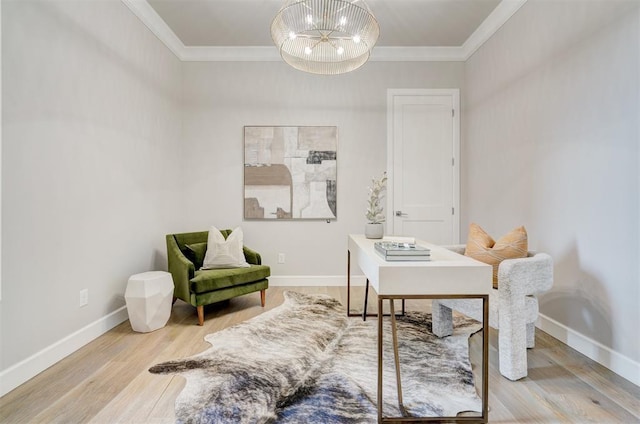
(513, 308)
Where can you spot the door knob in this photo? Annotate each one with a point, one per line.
(399, 213)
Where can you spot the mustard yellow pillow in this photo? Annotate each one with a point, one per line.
(482, 247)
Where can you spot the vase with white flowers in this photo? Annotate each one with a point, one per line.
(375, 212)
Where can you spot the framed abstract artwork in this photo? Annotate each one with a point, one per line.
(290, 172)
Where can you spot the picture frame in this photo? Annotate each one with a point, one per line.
(290, 172)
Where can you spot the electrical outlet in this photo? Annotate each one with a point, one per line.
(280, 258)
(84, 297)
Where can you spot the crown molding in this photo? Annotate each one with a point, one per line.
(270, 54)
(143, 10)
(416, 54)
(501, 14)
(230, 54)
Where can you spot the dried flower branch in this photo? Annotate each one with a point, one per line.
(375, 213)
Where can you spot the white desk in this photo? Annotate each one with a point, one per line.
(448, 275)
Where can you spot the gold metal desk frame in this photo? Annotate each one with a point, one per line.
(355, 242)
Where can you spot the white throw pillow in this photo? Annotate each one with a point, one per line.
(223, 253)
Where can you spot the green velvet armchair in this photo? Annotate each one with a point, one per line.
(185, 254)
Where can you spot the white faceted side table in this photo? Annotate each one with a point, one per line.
(149, 297)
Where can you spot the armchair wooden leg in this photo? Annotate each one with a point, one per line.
(200, 315)
(263, 297)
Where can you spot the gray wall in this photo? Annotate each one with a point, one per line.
(551, 141)
(220, 98)
(109, 142)
(91, 131)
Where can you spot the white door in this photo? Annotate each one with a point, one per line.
(422, 164)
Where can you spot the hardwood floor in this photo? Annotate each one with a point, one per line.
(107, 381)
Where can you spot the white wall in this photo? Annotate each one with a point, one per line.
(221, 98)
(90, 183)
(0, 151)
(551, 141)
(101, 159)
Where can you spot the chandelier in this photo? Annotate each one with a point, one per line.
(327, 37)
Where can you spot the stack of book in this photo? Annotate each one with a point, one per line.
(393, 251)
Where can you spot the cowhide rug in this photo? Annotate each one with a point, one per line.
(306, 362)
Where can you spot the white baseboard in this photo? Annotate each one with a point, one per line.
(314, 280)
(24, 370)
(21, 372)
(28, 368)
(605, 356)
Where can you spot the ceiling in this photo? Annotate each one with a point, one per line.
(410, 30)
(247, 22)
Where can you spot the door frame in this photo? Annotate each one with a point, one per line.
(392, 93)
